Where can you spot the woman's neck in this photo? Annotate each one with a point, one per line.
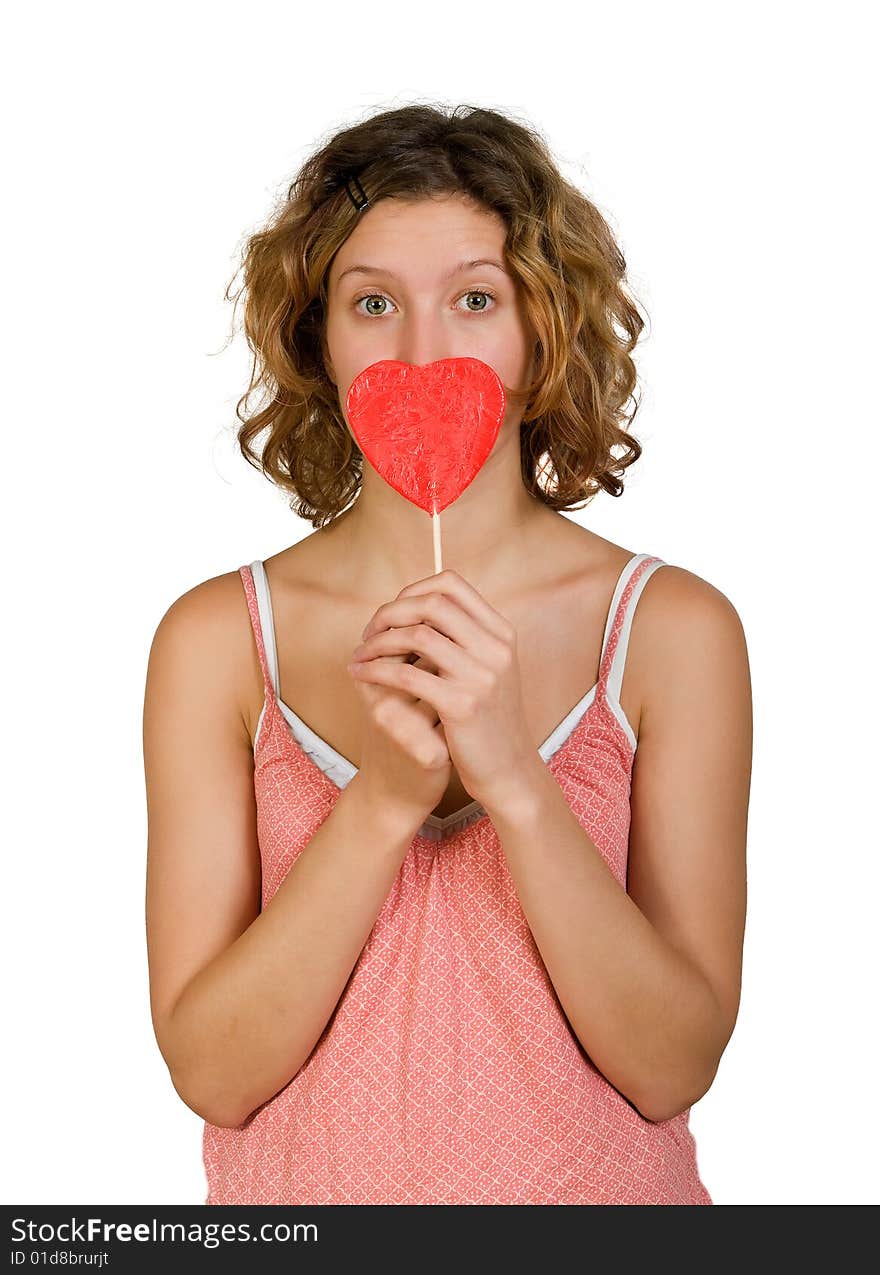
(387, 543)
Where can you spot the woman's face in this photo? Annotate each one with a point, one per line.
(402, 287)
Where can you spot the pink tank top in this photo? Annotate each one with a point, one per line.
(448, 1072)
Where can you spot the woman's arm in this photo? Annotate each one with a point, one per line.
(649, 978)
(240, 997)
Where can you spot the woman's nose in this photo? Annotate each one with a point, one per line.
(421, 341)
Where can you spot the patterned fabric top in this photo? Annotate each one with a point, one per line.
(448, 1072)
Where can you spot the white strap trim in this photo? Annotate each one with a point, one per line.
(615, 675)
(267, 620)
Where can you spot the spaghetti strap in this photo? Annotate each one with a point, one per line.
(256, 590)
(632, 580)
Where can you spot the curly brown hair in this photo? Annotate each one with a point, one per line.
(558, 247)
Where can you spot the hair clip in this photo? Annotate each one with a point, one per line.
(359, 199)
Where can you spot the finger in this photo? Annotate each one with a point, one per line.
(422, 638)
(408, 678)
(425, 710)
(463, 592)
(419, 713)
(428, 711)
(443, 614)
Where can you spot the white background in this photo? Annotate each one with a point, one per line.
(732, 149)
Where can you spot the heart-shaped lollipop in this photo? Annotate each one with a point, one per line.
(427, 430)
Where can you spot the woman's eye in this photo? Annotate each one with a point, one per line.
(479, 292)
(372, 296)
(379, 297)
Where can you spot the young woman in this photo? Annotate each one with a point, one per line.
(446, 873)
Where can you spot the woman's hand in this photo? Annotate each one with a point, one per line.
(476, 691)
(404, 761)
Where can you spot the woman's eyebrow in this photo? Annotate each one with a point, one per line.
(462, 265)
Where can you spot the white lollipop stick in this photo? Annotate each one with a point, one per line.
(438, 552)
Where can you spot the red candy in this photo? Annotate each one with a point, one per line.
(427, 430)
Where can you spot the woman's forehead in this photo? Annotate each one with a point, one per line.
(428, 236)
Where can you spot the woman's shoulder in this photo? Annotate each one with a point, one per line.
(207, 629)
(670, 590)
(216, 608)
(208, 607)
(684, 626)
(677, 617)
(676, 601)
